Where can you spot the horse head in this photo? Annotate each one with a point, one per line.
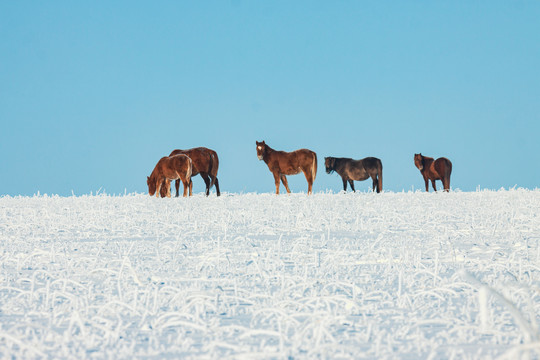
(419, 161)
(151, 186)
(261, 149)
(329, 163)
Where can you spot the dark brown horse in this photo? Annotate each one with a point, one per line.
(358, 170)
(205, 163)
(169, 168)
(439, 169)
(283, 163)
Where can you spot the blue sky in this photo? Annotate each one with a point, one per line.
(92, 94)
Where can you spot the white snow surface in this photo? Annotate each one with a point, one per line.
(359, 275)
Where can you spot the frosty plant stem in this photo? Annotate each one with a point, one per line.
(529, 332)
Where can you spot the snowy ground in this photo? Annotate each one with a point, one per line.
(392, 275)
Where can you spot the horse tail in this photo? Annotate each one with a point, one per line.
(379, 177)
(448, 172)
(213, 168)
(314, 166)
(189, 170)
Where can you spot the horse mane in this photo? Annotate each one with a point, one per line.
(426, 158)
(268, 149)
(337, 162)
(156, 170)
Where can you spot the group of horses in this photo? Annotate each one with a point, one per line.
(182, 165)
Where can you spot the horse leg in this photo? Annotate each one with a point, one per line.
(344, 184)
(216, 182)
(433, 184)
(375, 185)
(309, 178)
(186, 184)
(168, 187)
(163, 190)
(177, 186)
(351, 182)
(285, 183)
(207, 183)
(190, 187)
(276, 180)
(426, 180)
(158, 187)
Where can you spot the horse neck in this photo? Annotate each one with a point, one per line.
(157, 171)
(268, 151)
(153, 176)
(339, 163)
(426, 161)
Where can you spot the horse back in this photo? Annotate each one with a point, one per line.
(443, 167)
(358, 170)
(291, 163)
(169, 166)
(201, 158)
(181, 164)
(304, 159)
(372, 164)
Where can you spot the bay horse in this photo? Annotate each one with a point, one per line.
(169, 168)
(439, 169)
(205, 162)
(359, 170)
(283, 163)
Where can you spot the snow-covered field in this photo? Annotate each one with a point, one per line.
(392, 275)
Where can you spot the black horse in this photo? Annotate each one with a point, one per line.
(358, 170)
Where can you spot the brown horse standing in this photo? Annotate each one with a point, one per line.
(358, 170)
(169, 168)
(439, 169)
(205, 163)
(283, 163)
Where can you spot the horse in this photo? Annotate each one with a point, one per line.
(283, 163)
(205, 163)
(359, 170)
(439, 169)
(169, 168)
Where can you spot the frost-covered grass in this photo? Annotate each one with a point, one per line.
(392, 275)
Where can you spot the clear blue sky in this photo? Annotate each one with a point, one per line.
(92, 94)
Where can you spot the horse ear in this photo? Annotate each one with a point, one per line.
(263, 142)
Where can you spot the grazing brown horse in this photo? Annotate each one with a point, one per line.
(439, 169)
(169, 168)
(205, 163)
(283, 163)
(358, 170)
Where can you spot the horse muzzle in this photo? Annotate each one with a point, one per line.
(259, 157)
